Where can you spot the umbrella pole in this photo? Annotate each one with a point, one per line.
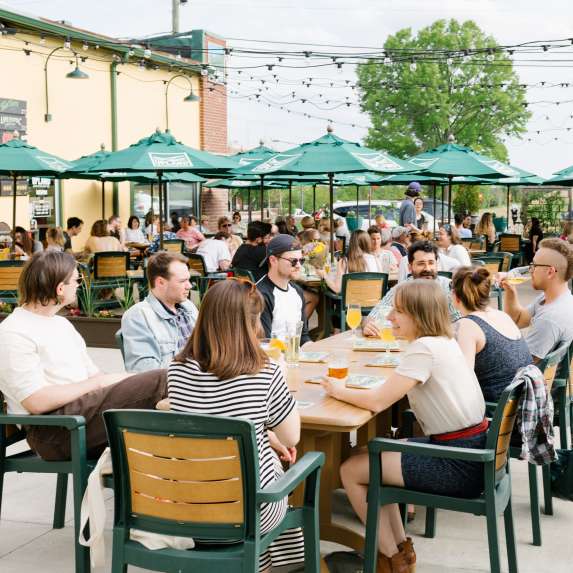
(434, 211)
(290, 197)
(14, 186)
(357, 200)
(199, 210)
(507, 210)
(369, 204)
(160, 186)
(313, 199)
(249, 203)
(103, 199)
(449, 199)
(442, 186)
(330, 214)
(262, 191)
(151, 207)
(165, 209)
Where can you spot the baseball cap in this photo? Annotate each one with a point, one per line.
(414, 189)
(281, 244)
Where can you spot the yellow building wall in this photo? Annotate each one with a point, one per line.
(81, 115)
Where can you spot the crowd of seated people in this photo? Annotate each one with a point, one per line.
(459, 347)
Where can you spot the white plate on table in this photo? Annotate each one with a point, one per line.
(375, 345)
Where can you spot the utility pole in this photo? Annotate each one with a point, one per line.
(175, 15)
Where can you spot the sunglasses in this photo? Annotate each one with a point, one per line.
(293, 262)
(226, 225)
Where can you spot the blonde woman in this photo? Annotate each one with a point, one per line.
(445, 395)
(223, 371)
(55, 239)
(486, 227)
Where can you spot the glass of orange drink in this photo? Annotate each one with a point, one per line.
(338, 367)
(353, 317)
(273, 348)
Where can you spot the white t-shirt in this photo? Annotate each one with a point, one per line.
(460, 253)
(39, 351)
(464, 233)
(371, 263)
(448, 397)
(213, 251)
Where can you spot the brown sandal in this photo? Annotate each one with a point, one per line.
(395, 564)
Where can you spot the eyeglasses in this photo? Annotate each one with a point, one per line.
(252, 286)
(533, 265)
(293, 262)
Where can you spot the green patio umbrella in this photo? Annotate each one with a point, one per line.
(79, 168)
(452, 160)
(328, 155)
(161, 153)
(252, 155)
(18, 158)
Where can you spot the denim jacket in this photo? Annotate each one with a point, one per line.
(150, 334)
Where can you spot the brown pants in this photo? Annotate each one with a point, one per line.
(141, 391)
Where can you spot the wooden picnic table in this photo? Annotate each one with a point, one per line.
(327, 424)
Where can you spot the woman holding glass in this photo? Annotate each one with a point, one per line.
(223, 371)
(445, 395)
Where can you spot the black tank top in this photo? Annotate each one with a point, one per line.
(499, 360)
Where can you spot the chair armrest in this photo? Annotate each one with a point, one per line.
(378, 445)
(68, 422)
(408, 419)
(309, 463)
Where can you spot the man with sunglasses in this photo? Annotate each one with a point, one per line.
(550, 316)
(284, 300)
(224, 225)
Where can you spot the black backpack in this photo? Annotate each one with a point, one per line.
(562, 475)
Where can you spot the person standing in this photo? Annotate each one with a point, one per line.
(535, 238)
(407, 217)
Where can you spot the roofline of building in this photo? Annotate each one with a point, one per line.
(57, 29)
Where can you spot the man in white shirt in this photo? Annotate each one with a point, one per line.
(460, 223)
(46, 368)
(216, 252)
(550, 317)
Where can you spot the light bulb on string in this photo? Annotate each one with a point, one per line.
(67, 44)
(413, 66)
(339, 67)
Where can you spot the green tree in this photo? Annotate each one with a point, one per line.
(466, 199)
(417, 98)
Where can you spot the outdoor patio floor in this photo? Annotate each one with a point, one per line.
(29, 544)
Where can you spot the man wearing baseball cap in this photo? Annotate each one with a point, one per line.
(284, 300)
(407, 209)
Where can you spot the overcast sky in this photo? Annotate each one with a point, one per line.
(348, 23)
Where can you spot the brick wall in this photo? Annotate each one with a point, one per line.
(214, 204)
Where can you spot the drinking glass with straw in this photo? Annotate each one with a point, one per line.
(353, 318)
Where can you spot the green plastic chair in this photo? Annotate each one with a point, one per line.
(220, 510)
(446, 274)
(174, 246)
(563, 398)
(28, 462)
(494, 263)
(495, 499)
(365, 289)
(242, 273)
(108, 271)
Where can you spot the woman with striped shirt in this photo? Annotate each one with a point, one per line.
(222, 371)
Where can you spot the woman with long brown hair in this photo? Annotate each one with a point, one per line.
(449, 406)
(359, 260)
(486, 228)
(100, 240)
(223, 371)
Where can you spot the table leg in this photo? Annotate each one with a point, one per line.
(331, 443)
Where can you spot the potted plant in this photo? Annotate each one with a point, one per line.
(353, 221)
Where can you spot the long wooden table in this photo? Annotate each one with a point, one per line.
(326, 427)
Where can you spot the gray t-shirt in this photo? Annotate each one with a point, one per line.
(407, 213)
(551, 324)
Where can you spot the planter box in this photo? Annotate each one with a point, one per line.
(97, 332)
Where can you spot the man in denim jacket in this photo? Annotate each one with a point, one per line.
(155, 329)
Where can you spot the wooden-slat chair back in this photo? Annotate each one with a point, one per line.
(365, 289)
(504, 437)
(507, 258)
(510, 243)
(196, 264)
(492, 267)
(110, 265)
(185, 479)
(501, 426)
(550, 364)
(10, 272)
(173, 245)
(178, 472)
